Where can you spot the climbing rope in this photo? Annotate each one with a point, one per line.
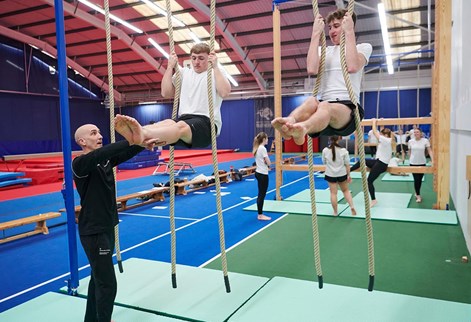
(214, 147)
(361, 148)
(111, 102)
(178, 83)
(312, 187)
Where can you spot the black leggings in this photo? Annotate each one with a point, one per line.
(262, 180)
(417, 179)
(376, 168)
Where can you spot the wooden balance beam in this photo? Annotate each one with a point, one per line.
(399, 121)
(40, 228)
(294, 159)
(146, 197)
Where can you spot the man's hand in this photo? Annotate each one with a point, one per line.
(213, 59)
(172, 60)
(347, 23)
(318, 25)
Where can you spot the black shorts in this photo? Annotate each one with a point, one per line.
(347, 129)
(200, 126)
(402, 147)
(335, 179)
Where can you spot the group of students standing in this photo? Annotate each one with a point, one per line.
(337, 161)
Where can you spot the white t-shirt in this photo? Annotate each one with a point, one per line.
(401, 139)
(394, 162)
(384, 152)
(194, 95)
(371, 137)
(333, 85)
(417, 150)
(261, 153)
(335, 168)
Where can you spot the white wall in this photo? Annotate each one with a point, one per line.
(460, 138)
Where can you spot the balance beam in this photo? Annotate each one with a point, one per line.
(146, 197)
(40, 228)
(399, 121)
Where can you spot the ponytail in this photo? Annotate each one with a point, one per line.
(257, 141)
(333, 143)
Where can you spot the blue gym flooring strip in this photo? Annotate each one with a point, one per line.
(200, 295)
(55, 307)
(284, 299)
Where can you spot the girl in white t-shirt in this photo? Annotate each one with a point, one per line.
(261, 172)
(417, 146)
(386, 144)
(337, 172)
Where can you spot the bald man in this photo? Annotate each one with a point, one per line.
(93, 176)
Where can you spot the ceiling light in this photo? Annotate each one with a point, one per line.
(194, 37)
(156, 45)
(232, 80)
(112, 16)
(384, 32)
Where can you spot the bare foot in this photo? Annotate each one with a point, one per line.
(298, 132)
(280, 124)
(373, 203)
(263, 217)
(354, 212)
(136, 130)
(122, 128)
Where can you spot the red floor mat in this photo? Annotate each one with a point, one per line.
(199, 158)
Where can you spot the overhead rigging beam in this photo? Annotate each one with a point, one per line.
(46, 47)
(410, 23)
(202, 8)
(115, 31)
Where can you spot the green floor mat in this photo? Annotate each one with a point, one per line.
(52, 307)
(200, 295)
(430, 216)
(296, 207)
(284, 299)
(408, 177)
(321, 196)
(385, 200)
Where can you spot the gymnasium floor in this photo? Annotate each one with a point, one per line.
(418, 272)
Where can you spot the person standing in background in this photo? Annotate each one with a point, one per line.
(337, 172)
(262, 162)
(417, 147)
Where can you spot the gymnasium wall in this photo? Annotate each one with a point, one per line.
(460, 122)
(31, 123)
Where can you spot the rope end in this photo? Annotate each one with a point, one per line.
(120, 266)
(174, 280)
(371, 283)
(226, 282)
(320, 281)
